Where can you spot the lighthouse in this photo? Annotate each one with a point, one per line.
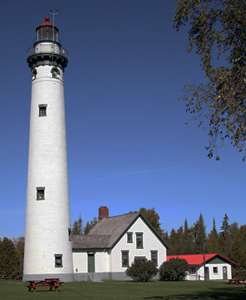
(48, 246)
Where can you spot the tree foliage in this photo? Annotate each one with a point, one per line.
(141, 270)
(152, 216)
(174, 270)
(89, 225)
(217, 31)
(9, 261)
(19, 244)
(78, 228)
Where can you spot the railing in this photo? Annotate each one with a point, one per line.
(61, 51)
(47, 38)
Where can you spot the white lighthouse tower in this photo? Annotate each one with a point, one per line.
(48, 249)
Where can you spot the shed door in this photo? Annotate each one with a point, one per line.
(207, 273)
(224, 273)
(91, 263)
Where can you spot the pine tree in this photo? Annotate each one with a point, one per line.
(238, 249)
(90, 225)
(200, 240)
(9, 261)
(225, 226)
(213, 239)
(187, 242)
(77, 226)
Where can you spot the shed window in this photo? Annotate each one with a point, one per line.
(215, 270)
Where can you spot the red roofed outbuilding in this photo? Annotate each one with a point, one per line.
(217, 266)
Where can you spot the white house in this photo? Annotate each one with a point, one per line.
(217, 267)
(113, 244)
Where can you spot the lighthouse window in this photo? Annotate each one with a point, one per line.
(40, 193)
(34, 74)
(55, 72)
(58, 261)
(42, 110)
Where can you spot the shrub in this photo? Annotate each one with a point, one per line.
(174, 270)
(142, 270)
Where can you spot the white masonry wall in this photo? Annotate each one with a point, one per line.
(150, 243)
(47, 221)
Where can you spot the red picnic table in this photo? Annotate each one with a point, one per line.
(236, 281)
(47, 282)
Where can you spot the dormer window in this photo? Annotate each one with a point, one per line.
(55, 72)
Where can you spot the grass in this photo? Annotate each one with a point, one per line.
(114, 290)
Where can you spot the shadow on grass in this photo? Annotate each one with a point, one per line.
(213, 293)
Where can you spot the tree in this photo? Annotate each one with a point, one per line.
(213, 239)
(141, 270)
(225, 226)
(9, 261)
(199, 234)
(90, 225)
(77, 226)
(174, 270)
(19, 248)
(152, 216)
(187, 243)
(217, 31)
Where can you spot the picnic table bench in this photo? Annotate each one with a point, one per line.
(47, 282)
(236, 281)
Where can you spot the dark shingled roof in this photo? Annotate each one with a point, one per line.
(106, 233)
(90, 241)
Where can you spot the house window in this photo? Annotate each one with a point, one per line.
(154, 257)
(192, 270)
(125, 259)
(129, 237)
(40, 193)
(58, 261)
(215, 270)
(139, 240)
(69, 234)
(42, 110)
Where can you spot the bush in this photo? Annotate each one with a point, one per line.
(174, 270)
(142, 270)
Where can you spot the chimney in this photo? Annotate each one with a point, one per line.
(103, 213)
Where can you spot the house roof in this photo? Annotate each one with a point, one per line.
(93, 241)
(108, 232)
(197, 259)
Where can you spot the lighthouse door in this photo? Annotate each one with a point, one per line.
(91, 262)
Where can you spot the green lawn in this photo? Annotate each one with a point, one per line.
(112, 290)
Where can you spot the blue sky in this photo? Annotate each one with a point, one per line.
(128, 145)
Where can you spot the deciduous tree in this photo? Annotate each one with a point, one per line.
(153, 217)
(217, 31)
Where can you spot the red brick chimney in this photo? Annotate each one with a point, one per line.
(103, 213)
